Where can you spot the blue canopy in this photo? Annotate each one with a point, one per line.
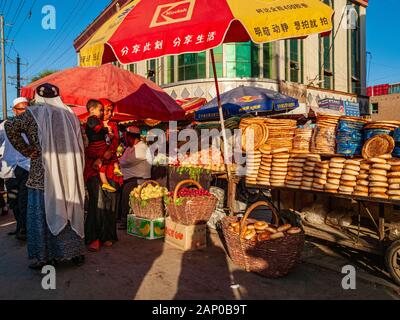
(247, 100)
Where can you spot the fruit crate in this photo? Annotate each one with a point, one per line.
(146, 228)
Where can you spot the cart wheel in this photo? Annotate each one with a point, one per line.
(392, 261)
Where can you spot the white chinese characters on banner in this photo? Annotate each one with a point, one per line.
(177, 42)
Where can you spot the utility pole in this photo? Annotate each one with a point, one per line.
(18, 76)
(3, 68)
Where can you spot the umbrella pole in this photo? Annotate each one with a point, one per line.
(221, 115)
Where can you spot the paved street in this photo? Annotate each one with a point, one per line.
(140, 269)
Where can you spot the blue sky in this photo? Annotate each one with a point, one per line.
(52, 49)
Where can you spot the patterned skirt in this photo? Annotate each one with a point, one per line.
(42, 244)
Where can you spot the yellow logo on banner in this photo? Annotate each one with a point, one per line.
(269, 20)
(173, 13)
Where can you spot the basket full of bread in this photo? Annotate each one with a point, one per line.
(269, 249)
(146, 200)
(190, 206)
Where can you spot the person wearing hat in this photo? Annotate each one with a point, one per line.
(56, 191)
(15, 170)
(135, 166)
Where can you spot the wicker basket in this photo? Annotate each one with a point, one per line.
(192, 210)
(271, 258)
(153, 208)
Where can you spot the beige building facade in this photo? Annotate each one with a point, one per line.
(321, 67)
(385, 107)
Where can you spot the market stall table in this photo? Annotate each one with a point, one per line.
(356, 236)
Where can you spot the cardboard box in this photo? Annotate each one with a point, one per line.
(145, 228)
(185, 237)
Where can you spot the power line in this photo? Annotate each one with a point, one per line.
(28, 16)
(16, 14)
(47, 50)
(3, 4)
(8, 9)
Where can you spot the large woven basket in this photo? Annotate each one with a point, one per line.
(272, 258)
(191, 210)
(149, 209)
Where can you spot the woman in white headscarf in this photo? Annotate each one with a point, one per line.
(55, 217)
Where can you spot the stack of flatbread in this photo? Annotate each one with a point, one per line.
(280, 133)
(348, 180)
(361, 189)
(264, 173)
(308, 171)
(279, 170)
(254, 135)
(324, 139)
(378, 176)
(253, 162)
(335, 170)
(394, 179)
(320, 175)
(302, 140)
(296, 164)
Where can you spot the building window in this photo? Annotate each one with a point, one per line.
(375, 108)
(267, 60)
(219, 62)
(170, 69)
(354, 51)
(326, 58)
(151, 70)
(242, 60)
(133, 68)
(294, 60)
(192, 66)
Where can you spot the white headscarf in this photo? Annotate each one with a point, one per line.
(63, 161)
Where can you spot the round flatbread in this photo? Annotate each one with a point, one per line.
(334, 181)
(320, 181)
(378, 195)
(377, 190)
(393, 192)
(338, 160)
(280, 150)
(295, 169)
(348, 183)
(308, 174)
(350, 172)
(394, 197)
(294, 179)
(363, 182)
(318, 186)
(386, 156)
(333, 176)
(394, 162)
(360, 194)
(335, 171)
(346, 189)
(322, 165)
(293, 183)
(377, 160)
(347, 177)
(361, 189)
(395, 168)
(394, 186)
(335, 165)
(308, 179)
(381, 166)
(378, 178)
(379, 172)
(365, 166)
(394, 180)
(309, 169)
(394, 174)
(277, 164)
(352, 167)
(330, 186)
(296, 165)
(294, 174)
(363, 176)
(278, 174)
(321, 171)
(352, 162)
